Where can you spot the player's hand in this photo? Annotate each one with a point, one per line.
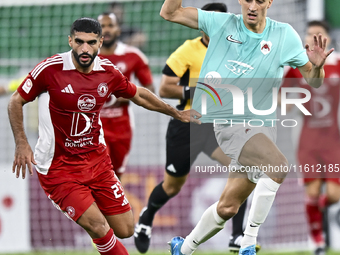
(317, 56)
(190, 116)
(23, 157)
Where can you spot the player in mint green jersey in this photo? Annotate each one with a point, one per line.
(245, 51)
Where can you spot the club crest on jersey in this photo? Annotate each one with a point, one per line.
(27, 86)
(70, 211)
(102, 89)
(266, 47)
(86, 102)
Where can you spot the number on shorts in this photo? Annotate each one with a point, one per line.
(117, 188)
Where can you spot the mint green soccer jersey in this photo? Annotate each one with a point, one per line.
(251, 63)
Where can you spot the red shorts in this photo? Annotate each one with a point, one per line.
(73, 192)
(118, 136)
(320, 163)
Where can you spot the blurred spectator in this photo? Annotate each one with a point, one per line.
(129, 35)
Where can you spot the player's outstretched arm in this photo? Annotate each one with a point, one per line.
(150, 101)
(23, 153)
(173, 11)
(313, 71)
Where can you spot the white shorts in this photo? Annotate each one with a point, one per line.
(232, 139)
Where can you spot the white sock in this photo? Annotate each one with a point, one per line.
(209, 225)
(263, 198)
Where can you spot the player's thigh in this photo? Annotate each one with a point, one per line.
(219, 155)
(313, 187)
(333, 190)
(260, 151)
(108, 192)
(122, 224)
(330, 157)
(94, 222)
(67, 193)
(178, 158)
(250, 148)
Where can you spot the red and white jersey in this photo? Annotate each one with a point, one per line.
(70, 130)
(324, 105)
(130, 61)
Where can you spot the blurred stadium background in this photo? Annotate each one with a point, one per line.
(32, 30)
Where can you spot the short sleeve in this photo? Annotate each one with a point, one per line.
(211, 22)
(168, 71)
(293, 53)
(178, 60)
(30, 88)
(123, 87)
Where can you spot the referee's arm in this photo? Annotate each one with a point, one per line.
(169, 85)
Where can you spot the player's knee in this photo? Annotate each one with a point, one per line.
(172, 189)
(96, 228)
(280, 170)
(227, 211)
(125, 232)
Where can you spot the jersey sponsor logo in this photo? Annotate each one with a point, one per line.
(70, 211)
(86, 102)
(68, 89)
(213, 78)
(238, 67)
(27, 86)
(102, 89)
(81, 123)
(230, 39)
(81, 142)
(266, 47)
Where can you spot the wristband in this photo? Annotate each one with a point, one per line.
(188, 92)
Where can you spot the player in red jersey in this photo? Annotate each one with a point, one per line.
(322, 127)
(115, 115)
(71, 159)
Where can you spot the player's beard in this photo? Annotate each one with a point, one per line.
(108, 44)
(77, 57)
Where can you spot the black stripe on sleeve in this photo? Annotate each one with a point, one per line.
(168, 71)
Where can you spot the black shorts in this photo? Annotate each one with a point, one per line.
(184, 141)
